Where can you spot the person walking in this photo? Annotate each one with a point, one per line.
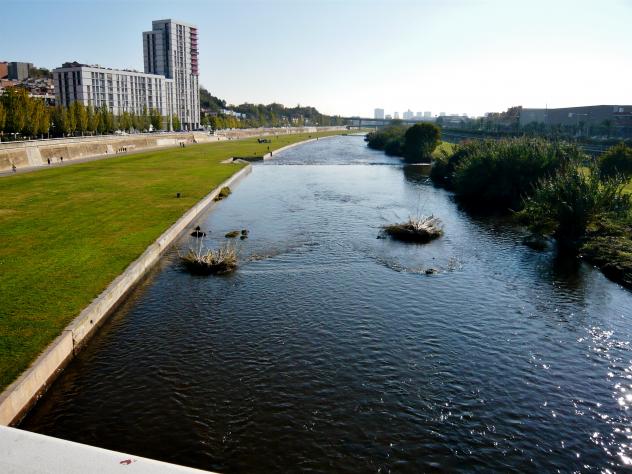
(48, 159)
(15, 170)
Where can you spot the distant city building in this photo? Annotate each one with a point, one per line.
(408, 115)
(171, 50)
(19, 71)
(378, 114)
(118, 90)
(419, 115)
(388, 117)
(427, 114)
(616, 116)
(441, 114)
(4, 70)
(396, 115)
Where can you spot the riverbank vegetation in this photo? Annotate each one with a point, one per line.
(67, 232)
(549, 186)
(415, 144)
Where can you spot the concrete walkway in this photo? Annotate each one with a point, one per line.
(23, 452)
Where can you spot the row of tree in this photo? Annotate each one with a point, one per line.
(25, 116)
(259, 115)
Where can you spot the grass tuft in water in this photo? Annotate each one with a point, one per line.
(203, 261)
(417, 229)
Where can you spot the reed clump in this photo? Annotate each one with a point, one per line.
(416, 229)
(223, 193)
(204, 261)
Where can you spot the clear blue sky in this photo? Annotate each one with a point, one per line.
(349, 56)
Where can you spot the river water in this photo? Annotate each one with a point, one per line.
(330, 350)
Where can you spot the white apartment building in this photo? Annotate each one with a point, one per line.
(408, 115)
(171, 49)
(378, 114)
(169, 83)
(118, 90)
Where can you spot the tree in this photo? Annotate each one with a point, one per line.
(617, 160)
(155, 119)
(34, 109)
(420, 141)
(145, 120)
(3, 117)
(80, 115)
(125, 121)
(175, 121)
(60, 121)
(43, 124)
(93, 120)
(15, 102)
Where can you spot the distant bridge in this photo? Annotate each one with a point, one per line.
(359, 122)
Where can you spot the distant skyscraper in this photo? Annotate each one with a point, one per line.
(427, 114)
(378, 114)
(388, 117)
(396, 115)
(408, 115)
(171, 50)
(419, 115)
(441, 114)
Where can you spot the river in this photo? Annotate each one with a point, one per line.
(331, 350)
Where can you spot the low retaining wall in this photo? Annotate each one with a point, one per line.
(266, 132)
(37, 152)
(22, 393)
(26, 452)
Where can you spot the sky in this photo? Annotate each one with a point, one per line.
(347, 57)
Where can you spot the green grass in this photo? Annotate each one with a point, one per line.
(67, 232)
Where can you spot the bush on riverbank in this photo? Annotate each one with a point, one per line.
(616, 160)
(587, 214)
(497, 174)
(415, 144)
(569, 202)
(420, 141)
(393, 134)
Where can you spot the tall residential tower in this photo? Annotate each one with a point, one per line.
(171, 50)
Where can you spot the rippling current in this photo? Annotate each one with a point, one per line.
(330, 350)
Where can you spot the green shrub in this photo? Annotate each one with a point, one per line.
(420, 141)
(445, 164)
(568, 203)
(496, 175)
(394, 147)
(379, 139)
(616, 160)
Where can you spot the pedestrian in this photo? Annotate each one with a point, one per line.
(14, 168)
(48, 159)
(61, 158)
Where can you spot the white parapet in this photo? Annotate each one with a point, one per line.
(25, 452)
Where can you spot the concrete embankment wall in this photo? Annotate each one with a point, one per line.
(36, 152)
(22, 393)
(262, 132)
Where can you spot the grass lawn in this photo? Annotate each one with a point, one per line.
(67, 232)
